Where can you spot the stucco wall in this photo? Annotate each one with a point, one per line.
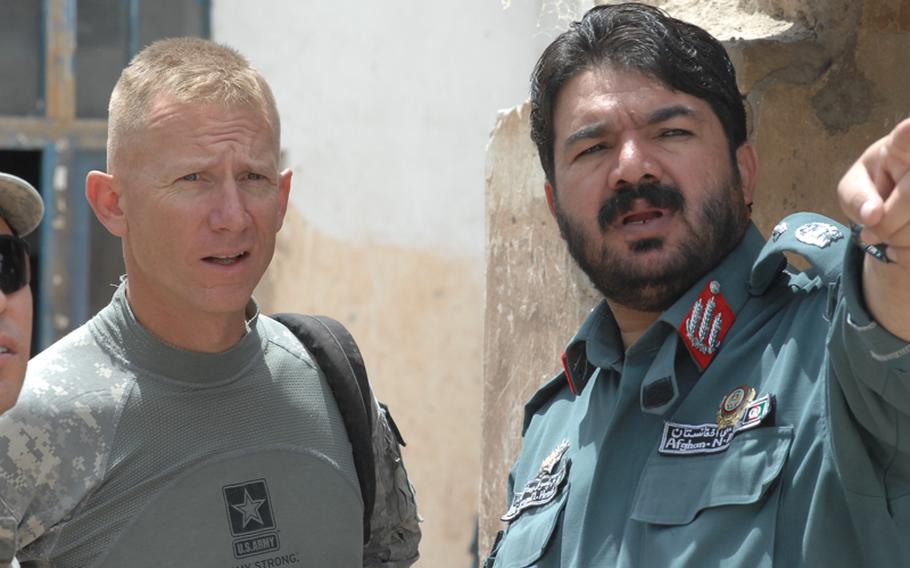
(823, 79)
(386, 111)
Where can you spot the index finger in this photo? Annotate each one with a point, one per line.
(895, 154)
(858, 190)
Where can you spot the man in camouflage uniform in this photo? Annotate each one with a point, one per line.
(21, 210)
(179, 426)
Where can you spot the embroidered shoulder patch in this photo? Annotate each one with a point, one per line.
(818, 234)
(543, 487)
(779, 230)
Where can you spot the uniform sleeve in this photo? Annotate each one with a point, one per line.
(490, 560)
(29, 475)
(7, 534)
(39, 482)
(394, 525)
(870, 402)
(52, 453)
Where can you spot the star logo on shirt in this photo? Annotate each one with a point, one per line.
(249, 508)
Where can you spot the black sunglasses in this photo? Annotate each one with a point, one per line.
(14, 266)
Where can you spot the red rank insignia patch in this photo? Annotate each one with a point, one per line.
(708, 321)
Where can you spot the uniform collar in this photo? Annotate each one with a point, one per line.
(598, 343)
(731, 275)
(121, 334)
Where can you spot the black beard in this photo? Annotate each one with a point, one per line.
(720, 226)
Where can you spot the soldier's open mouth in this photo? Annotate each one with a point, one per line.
(226, 260)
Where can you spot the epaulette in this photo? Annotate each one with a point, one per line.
(543, 395)
(818, 239)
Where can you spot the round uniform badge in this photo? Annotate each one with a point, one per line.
(733, 405)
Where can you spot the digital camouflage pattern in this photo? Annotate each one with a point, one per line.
(96, 457)
(394, 528)
(54, 443)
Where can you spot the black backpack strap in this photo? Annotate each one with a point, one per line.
(337, 355)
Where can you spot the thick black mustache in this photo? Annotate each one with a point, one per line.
(657, 195)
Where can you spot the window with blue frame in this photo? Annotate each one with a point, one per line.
(59, 60)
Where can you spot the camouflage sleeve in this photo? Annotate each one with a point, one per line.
(48, 461)
(53, 449)
(394, 528)
(7, 534)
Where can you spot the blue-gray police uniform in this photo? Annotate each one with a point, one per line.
(780, 440)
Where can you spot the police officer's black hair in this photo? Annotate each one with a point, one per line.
(639, 38)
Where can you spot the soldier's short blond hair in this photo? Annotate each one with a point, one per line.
(185, 69)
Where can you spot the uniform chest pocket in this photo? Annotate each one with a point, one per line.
(674, 489)
(530, 535)
(707, 507)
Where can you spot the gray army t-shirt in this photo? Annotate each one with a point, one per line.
(126, 451)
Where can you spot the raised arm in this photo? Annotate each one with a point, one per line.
(875, 192)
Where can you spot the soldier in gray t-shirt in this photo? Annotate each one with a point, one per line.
(179, 426)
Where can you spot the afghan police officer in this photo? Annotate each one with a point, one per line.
(718, 408)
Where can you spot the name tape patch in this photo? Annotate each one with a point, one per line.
(696, 439)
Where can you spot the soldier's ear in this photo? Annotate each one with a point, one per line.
(747, 164)
(106, 201)
(551, 197)
(284, 190)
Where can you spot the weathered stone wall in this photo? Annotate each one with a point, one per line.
(822, 79)
(414, 315)
(535, 297)
(386, 111)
